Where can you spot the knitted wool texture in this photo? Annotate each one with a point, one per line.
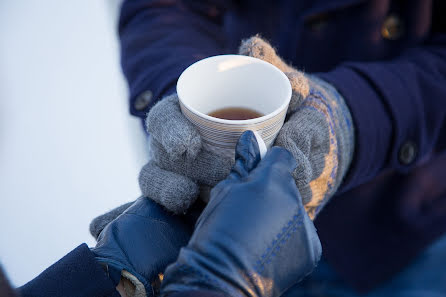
(173, 191)
(258, 48)
(99, 223)
(319, 130)
(172, 130)
(179, 165)
(320, 136)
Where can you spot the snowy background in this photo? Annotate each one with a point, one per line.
(69, 150)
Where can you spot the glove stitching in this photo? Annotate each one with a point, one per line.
(281, 238)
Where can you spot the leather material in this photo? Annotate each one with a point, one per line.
(143, 240)
(254, 238)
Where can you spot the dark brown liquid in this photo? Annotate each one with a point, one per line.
(235, 113)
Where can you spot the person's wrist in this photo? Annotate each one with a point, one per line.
(342, 123)
(121, 284)
(121, 289)
(126, 288)
(112, 273)
(124, 281)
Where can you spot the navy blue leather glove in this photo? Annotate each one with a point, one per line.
(140, 243)
(254, 238)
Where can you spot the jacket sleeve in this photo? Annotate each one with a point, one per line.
(398, 108)
(76, 274)
(161, 38)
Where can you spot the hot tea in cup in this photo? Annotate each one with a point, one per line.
(223, 96)
(236, 113)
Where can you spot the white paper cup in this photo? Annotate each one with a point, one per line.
(233, 81)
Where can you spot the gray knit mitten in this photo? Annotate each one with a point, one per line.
(180, 169)
(98, 224)
(318, 132)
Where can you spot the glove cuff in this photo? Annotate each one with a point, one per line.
(113, 268)
(132, 286)
(341, 132)
(189, 275)
(343, 122)
(320, 135)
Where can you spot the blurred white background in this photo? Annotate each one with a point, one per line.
(69, 150)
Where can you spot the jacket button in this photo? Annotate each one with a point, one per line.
(408, 153)
(142, 101)
(392, 28)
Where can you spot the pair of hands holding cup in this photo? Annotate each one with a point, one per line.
(318, 132)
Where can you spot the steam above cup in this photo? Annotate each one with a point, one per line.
(234, 81)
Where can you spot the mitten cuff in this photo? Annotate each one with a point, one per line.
(372, 138)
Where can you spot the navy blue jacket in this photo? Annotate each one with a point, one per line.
(76, 274)
(387, 58)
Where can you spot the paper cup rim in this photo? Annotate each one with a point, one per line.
(239, 122)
